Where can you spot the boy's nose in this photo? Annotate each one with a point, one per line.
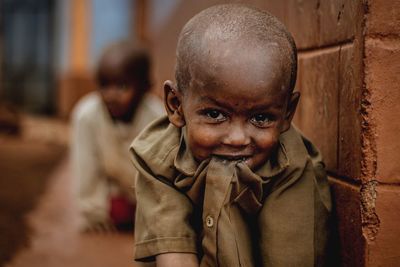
(236, 135)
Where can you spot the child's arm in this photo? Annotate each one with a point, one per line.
(91, 183)
(162, 221)
(177, 260)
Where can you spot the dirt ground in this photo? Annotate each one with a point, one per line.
(38, 217)
(24, 170)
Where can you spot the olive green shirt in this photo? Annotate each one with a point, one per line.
(223, 211)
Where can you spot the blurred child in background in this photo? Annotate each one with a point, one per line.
(104, 124)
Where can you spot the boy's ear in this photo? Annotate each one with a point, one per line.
(173, 104)
(290, 110)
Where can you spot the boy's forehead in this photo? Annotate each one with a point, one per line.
(235, 62)
(240, 51)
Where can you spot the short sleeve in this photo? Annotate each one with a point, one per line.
(162, 220)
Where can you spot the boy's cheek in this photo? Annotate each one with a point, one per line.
(268, 139)
(265, 143)
(202, 140)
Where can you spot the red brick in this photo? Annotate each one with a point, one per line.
(350, 83)
(383, 17)
(316, 23)
(382, 80)
(317, 113)
(302, 21)
(385, 249)
(346, 202)
(277, 8)
(340, 20)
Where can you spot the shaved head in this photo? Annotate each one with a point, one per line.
(233, 25)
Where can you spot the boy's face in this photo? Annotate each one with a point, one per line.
(236, 106)
(118, 98)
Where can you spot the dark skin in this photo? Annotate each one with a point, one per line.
(119, 93)
(237, 106)
(120, 100)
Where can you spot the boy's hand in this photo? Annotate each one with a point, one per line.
(92, 225)
(177, 260)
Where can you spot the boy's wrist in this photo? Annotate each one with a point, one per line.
(177, 260)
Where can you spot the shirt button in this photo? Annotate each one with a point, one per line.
(209, 221)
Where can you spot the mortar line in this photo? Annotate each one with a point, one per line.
(387, 185)
(344, 179)
(338, 127)
(383, 37)
(344, 43)
(359, 183)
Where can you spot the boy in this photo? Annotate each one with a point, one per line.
(228, 178)
(104, 124)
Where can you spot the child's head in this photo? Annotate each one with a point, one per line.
(235, 73)
(123, 76)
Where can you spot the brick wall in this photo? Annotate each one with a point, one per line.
(349, 76)
(382, 125)
(330, 41)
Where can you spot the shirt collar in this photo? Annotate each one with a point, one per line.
(184, 161)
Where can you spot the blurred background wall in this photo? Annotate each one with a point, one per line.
(50, 48)
(349, 59)
(27, 77)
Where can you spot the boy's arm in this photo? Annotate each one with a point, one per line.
(90, 183)
(177, 260)
(162, 221)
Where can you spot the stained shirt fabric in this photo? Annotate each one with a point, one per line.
(224, 212)
(100, 151)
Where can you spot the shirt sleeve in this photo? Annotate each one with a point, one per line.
(91, 184)
(162, 219)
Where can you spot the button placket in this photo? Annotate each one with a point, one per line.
(217, 184)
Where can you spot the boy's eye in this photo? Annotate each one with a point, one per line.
(261, 120)
(215, 115)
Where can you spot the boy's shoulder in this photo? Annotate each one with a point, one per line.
(292, 154)
(155, 148)
(304, 161)
(298, 148)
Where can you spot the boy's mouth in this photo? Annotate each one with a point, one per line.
(233, 157)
